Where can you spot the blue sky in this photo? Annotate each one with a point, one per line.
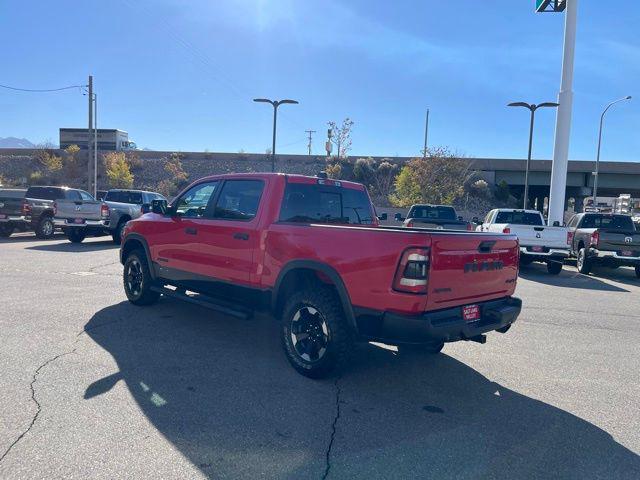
(180, 75)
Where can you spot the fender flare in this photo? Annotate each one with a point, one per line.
(143, 241)
(327, 270)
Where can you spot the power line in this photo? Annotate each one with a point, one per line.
(41, 90)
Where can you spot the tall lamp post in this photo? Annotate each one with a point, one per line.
(275, 104)
(532, 108)
(595, 178)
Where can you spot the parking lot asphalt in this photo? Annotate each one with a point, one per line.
(93, 387)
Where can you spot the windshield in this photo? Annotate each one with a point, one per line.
(519, 218)
(432, 212)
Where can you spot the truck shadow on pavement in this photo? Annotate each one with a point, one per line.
(67, 246)
(568, 279)
(221, 391)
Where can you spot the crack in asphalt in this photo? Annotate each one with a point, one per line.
(333, 431)
(35, 400)
(34, 378)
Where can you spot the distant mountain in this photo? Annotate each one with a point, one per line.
(13, 142)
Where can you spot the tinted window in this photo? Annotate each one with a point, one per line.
(45, 193)
(432, 212)
(325, 204)
(193, 203)
(12, 193)
(86, 196)
(123, 196)
(239, 199)
(74, 195)
(519, 218)
(608, 222)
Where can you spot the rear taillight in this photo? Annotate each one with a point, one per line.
(595, 238)
(410, 224)
(26, 208)
(569, 238)
(469, 227)
(55, 208)
(412, 274)
(104, 210)
(506, 230)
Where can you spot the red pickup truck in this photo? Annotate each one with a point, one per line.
(311, 250)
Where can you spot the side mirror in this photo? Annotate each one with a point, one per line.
(383, 216)
(459, 218)
(158, 206)
(398, 217)
(146, 208)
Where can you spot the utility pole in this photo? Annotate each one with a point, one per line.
(563, 118)
(310, 132)
(89, 172)
(95, 145)
(426, 134)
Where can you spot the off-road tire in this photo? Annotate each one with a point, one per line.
(117, 233)
(136, 265)
(583, 263)
(338, 338)
(76, 235)
(45, 228)
(554, 268)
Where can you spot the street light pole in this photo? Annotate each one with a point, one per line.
(532, 108)
(275, 104)
(595, 178)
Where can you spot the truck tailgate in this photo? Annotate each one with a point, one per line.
(10, 206)
(619, 241)
(471, 268)
(86, 210)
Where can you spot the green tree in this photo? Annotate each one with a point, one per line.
(407, 188)
(118, 171)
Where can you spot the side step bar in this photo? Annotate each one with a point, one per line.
(205, 301)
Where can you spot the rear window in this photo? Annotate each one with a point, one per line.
(12, 193)
(45, 193)
(608, 222)
(519, 218)
(310, 203)
(124, 197)
(432, 212)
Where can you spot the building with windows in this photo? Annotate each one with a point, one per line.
(108, 139)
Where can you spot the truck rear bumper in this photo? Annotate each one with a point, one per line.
(445, 325)
(612, 258)
(13, 219)
(63, 222)
(548, 252)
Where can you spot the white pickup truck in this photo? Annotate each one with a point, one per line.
(538, 242)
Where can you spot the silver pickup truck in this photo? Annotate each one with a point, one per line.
(80, 215)
(125, 205)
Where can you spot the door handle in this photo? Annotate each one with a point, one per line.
(241, 236)
(191, 231)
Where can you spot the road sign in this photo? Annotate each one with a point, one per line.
(550, 5)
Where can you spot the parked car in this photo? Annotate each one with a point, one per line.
(312, 252)
(604, 239)
(11, 212)
(125, 205)
(538, 242)
(38, 208)
(79, 215)
(442, 217)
